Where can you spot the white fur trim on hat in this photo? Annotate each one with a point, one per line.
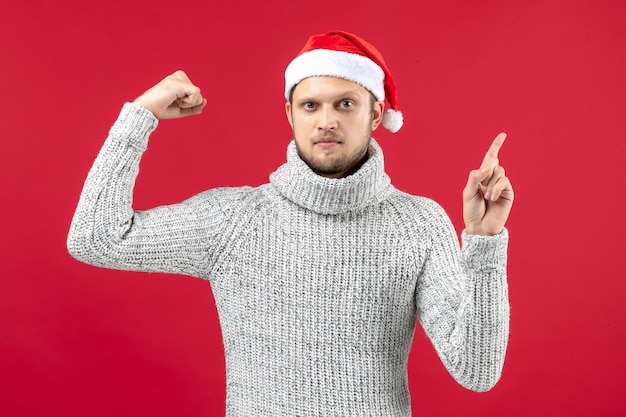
(326, 62)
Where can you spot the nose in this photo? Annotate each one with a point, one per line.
(328, 118)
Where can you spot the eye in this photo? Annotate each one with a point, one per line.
(346, 104)
(309, 105)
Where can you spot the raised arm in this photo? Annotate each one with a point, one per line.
(462, 298)
(462, 302)
(106, 231)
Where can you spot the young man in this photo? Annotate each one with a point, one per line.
(318, 275)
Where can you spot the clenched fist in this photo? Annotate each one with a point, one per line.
(173, 97)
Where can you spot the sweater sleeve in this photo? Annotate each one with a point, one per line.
(462, 301)
(107, 232)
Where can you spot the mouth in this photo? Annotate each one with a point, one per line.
(327, 142)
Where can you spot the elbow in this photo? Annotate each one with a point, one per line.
(81, 246)
(77, 246)
(98, 246)
(484, 385)
(484, 380)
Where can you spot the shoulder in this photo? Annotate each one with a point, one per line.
(420, 217)
(229, 197)
(417, 207)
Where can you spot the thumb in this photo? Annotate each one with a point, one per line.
(477, 176)
(474, 181)
(193, 110)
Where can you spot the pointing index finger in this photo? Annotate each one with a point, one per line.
(491, 157)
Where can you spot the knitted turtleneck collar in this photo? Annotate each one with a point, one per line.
(297, 182)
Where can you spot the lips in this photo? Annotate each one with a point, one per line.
(327, 140)
(327, 143)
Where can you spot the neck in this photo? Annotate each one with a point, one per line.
(298, 183)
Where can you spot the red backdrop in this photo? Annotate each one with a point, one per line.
(77, 340)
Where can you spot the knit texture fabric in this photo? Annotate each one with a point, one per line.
(318, 282)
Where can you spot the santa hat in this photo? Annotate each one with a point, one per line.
(344, 55)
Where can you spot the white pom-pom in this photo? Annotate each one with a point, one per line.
(393, 120)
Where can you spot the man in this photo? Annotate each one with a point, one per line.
(318, 275)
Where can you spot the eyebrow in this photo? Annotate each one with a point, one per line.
(345, 93)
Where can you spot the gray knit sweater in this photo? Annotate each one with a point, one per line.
(318, 282)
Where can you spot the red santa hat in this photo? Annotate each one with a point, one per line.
(344, 55)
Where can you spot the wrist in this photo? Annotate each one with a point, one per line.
(141, 103)
(479, 231)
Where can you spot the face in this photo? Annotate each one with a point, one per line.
(332, 121)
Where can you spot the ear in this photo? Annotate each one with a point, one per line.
(288, 113)
(377, 114)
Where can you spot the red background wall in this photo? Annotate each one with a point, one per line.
(76, 340)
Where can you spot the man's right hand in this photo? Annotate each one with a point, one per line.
(172, 98)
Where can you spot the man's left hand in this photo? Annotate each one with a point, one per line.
(488, 195)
